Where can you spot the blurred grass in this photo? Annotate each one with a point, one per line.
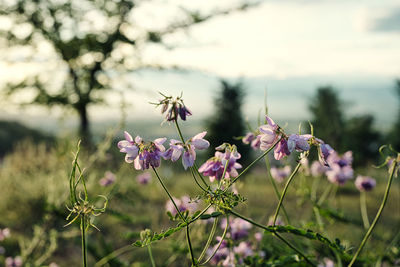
(34, 191)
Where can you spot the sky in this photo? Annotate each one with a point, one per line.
(286, 47)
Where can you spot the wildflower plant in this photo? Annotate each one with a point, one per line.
(80, 207)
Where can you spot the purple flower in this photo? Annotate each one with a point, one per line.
(149, 154)
(298, 142)
(143, 178)
(243, 250)
(221, 254)
(238, 228)
(248, 138)
(279, 174)
(129, 147)
(4, 233)
(2, 250)
(339, 175)
(256, 143)
(183, 112)
(14, 262)
(365, 183)
(317, 169)
(323, 153)
(214, 167)
(176, 148)
(258, 236)
(184, 204)
(327, 263)
(108, 179)
(268, 134)
(281, 150)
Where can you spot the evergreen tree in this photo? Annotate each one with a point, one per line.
(394, 134)
(227, 121)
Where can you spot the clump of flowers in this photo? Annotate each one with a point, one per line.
(238, 228)
(317, 169)
(173, 108)
(108, 179)
(215, 166)
(365, 183)
(143, 178)
(184, 204)
(13, 262)
(279, 174)
(340, 169)
(143, 154)
(188, 149)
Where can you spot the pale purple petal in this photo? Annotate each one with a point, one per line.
(128, 137)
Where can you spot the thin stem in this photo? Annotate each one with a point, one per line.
(195, 179)
(378, 214)
(169, 195)
(363, 207)
(278, 195)
(83, 233)
(251, 164)
(199, 215)
(190, 245)
(179, 131)
(284, 191)
(113, 255)
(325, 194)
(275, 233)
(210, 238)
(318, 218)
(223, 174)
(199, 174)
(153, 264)
(220, 242)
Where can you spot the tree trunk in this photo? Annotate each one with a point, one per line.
(84, 130)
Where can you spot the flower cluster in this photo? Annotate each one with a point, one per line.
(177, 148)
(173, 107)
(143, 178)
(141, 153)
(14, 262)
(215, 166)
(340, 169)
(183, 204)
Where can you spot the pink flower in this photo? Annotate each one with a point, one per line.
(176, 148)
(365, 183)
(14, 262)
(150, 154)
(238, 228)
(108, 179)
(268, 134)
(143, 178)
(4, 233)
(243, 250)
(214, 167)
(298, 142)
(248, 138)
(129, 147)
(279, 174)
(281, 150)
(317, 169)
(184, 204)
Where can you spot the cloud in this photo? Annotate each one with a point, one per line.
(379, 20)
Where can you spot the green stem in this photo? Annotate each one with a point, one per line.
(275, 233)
(363, 207)
(210, 238)
(325, 194)
(199, 215)
(179, 131)
(113, 255)
(190, 245)
(153, 264)
(284, 191)
(195, 179)
(378, 214)
(251, 164)
(169, 195)
(278, 195)
(220, 242)
(83, 233)
(199, 174)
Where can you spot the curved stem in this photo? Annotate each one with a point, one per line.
(210, 238)
(199, 215)
(199, 174)
(378, 214)
(363, 207)
(195, 179)
(274, 232)
(284, 191)
(113, 255)
(278, 195)
(325, 194)
(179, 131)
(220, 242)
(190, 245)
(169, 195)
(153, 264)
(83, 232)
(251, 164)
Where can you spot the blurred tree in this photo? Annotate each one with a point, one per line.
(227, 121)
(327, 117)
(394, 134)
(94, 40)
(362, 139)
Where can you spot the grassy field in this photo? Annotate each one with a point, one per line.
(34, 194)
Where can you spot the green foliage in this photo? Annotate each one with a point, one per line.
(394, 134)
(327, 116)
(227, 121)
